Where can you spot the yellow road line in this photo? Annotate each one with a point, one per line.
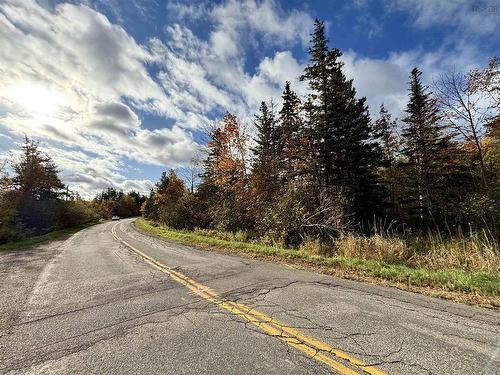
(314, 348)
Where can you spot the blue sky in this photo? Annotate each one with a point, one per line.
(118, 91)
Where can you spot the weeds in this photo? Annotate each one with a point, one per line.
(471, 251)
(475, 252)
(377, 247)
(386, 258)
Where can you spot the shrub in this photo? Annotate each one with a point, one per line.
(39, 216)
(283, 222)
(298, 215)
(10, 223)
(76, 213)
(481, 211)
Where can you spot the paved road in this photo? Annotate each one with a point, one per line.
(113, 300)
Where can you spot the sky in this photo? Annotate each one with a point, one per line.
(117, 91)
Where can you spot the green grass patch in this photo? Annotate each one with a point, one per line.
(481, 283)
(33, 241)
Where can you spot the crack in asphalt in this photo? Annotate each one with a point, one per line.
(112, 301)
(156, 242)
(256, 295)
(40, 356)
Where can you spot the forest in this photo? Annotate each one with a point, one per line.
(321, 175)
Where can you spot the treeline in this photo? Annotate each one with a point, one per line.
(320, 167)
(34, 201)
(112, 202)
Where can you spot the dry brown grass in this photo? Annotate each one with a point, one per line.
(474, 252)
(378, 247)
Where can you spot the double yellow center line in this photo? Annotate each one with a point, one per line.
(316, 349)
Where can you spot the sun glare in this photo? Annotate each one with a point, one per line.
(37, 100)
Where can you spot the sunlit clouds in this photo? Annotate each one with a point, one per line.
(98, 93)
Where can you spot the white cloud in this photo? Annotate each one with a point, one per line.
(250, 20)
(211, 72)
(81, 82)
(264, 17)
(187, 11)
(474, 18)
(67, 73)
(386, 80)
(84, 85)
(283, 67)
(380, 80)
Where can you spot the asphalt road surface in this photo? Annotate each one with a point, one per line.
(111, 299)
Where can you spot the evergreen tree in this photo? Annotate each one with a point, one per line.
(265, 123)
(345, 152)
(162, 185)
(264, 168)
(148, 208)
(290, 136)
(427, 150)
(35, 173)
(385, 132)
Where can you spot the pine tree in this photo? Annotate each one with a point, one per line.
(427, 150)
(340, 130)
(385, 131)
(35, 174)
(162, 185)
(265, 164)
(290, 136)
(265, 123)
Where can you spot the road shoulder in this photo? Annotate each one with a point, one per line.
(19, 273)
(401, 293)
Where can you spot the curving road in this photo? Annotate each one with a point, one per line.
(111, 299)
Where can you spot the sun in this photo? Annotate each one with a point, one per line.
(37, 100)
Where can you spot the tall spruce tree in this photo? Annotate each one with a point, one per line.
(162, 185)
(340, 130)
(290, 136)
(385, 132)
(35, 173)
(265, 164)
(426, 148)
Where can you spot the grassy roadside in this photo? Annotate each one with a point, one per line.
(30, 242)
(481, 288)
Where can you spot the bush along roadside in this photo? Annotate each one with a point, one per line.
(51, 236)
(474, 287)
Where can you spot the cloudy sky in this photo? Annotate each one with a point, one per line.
(117, 91)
